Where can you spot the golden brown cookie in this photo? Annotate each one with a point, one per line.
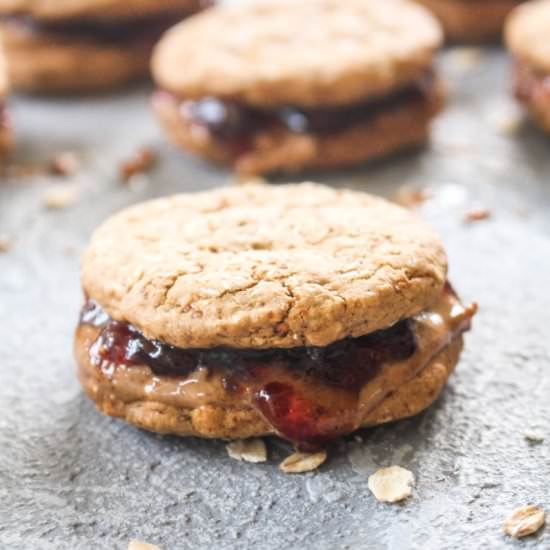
(90, 46)
(264, 92)
(471, 20)
(297, 310)
(526, 34)
(6, 139)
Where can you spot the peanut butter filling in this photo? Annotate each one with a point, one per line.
(308, 395)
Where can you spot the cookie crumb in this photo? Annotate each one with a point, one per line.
(65, 163)
(142, 161)
(250, 450)
(466, 58)
(6, 242)
(60, 197)
(298, 463)
(391, 484)
(139, 545)
(411, 198)
(524, 521)
(477, 214)
(534, 436)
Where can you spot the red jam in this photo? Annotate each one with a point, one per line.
(229, 121)
(308, 394)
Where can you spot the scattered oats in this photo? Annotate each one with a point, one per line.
(139, 545)
(299, 463)
(477, 214)
(524, 521)
(466, 58)
(391, 484)
(249, 450)
(534, 436)
(142, 161)
(60, 197)
(65, 163)
(6, 242)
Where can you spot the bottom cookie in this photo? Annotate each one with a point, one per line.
(142, 399)
(470, 20)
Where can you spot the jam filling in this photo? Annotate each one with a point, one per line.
(229, 121)
(530, 85)
(115, 31)
(309, 395)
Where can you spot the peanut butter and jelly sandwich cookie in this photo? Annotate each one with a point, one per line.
(527, 35)
(282, 85)
(471, 20)
(6, 142)
(294, 310)
(83, 45)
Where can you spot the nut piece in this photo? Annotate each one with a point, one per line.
(139, 545)
(65, 163)
(249, 450)
(60, 197)
(524, 521)
(477, 214)
(299, 463)
(142, 161)
(391, 484)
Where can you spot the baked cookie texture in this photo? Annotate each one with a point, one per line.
(258, 59)
(83, 46)
(262, 267)
(263, 54)
(526, 36)
(6, 138)
(296, 310)
(95, 9)
(471, 20)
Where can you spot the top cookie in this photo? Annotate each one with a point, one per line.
(97, 9)
(308, 53)
(527, 31)
(260, 266)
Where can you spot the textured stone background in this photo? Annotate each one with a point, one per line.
(73, 479)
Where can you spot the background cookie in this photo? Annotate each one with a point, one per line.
(471, 20)
(527, 37)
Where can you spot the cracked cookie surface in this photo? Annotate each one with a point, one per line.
(264, 54)
(260, 266)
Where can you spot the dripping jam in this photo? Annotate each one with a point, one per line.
(308, 394)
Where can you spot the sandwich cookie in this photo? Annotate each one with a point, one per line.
(471, 20)
(6, 142)
(294, 310)
(283, 85)
(83, 45)
(528, 38)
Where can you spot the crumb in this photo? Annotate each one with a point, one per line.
(534, 436)
(466, 58)
(139, 545)
(6, 242)
(298, 463)
(250, 450)
(60, 197)
(524, 521)
(391, 484)
(142, 161)
(65, 163)
(247, 180)
(477, 214)
(410, 198)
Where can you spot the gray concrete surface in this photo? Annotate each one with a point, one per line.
(73, 479)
